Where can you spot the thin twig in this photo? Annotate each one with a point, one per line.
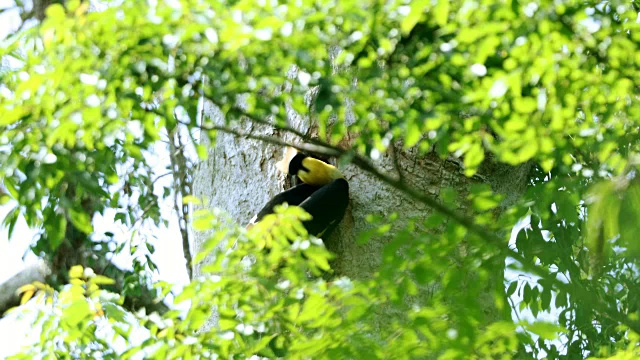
(513, 307)
(160, 177)
(181, 188)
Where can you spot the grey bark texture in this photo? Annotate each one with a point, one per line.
(240, 177)
(9, 296)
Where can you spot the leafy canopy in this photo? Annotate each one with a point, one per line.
(554, 85)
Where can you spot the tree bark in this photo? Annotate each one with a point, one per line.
(9, 296)
(42, 271)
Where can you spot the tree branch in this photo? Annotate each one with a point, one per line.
(9, 296)
(489, 237)
(41, 270)
(181, 189)
(326, 149)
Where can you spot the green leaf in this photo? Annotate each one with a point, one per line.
(81, 221)
(102, 280)
(198, 319)
(512, 288)
(545, 330)
(526, 293)
(201, 255)
(122, 217)
(187, 294)
(76, 272)
(10, 220)
(525, 105)
(441, 12)
(310, 309)
(603, 218)
(434, 220)
(423, 274)
(76, 312)
(415, 13)
(473, 158)
(56, 233)
(227, 324)
(485, 203)
(203, 152)
(72, 4)
(561, 300)
(318, 258)
(114, 312)
(262, 343)
(547, 164)
(413, 135)
(55, 12)
(293, 311)
(545, 299)
(629, 219)
(11, 187)
(10, 117)
(449, 196)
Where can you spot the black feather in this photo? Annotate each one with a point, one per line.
(326, 204)
(294, 196)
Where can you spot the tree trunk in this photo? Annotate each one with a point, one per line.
(239, 177)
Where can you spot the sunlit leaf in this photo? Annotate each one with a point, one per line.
(545, 330)
(76, 271)
(441, 12)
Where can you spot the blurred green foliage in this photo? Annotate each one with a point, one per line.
(86, 96)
